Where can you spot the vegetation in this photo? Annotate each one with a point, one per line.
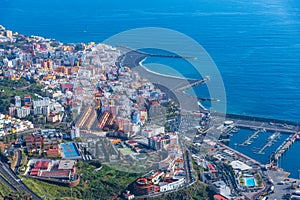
(9, 138)
(23, 163)
(104, 184)
(18, 196)
(4, 191)
(197, 191)
(9, 89)
(259, 180)
(241, 180)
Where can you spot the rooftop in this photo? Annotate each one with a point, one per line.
(66, 164)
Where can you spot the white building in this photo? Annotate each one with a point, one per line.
(75, 132)
(37, 110)
(220, 187)
(153, 130)
(43, 102)
(45, 110)
(172, 185)
(18, 101)
(23, 112)
(240, 166)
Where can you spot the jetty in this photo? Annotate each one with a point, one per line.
(186, 87)
(156, 55)
(285, 146)
(250, 139)
(269, 143)
(267, 127)
(171, 85)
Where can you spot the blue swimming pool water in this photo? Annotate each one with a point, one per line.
(249, 182)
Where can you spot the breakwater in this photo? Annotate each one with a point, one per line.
(128, 49)
(280, 122)
(132, 59)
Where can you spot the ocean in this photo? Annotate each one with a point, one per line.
(255, 44)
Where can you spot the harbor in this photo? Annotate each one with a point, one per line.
(285, 146)
(266, 142)
(271, 140)
(262, 139)
(250, 139)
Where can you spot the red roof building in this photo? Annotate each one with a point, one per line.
(56, 174)
(35, 172)
(53, 153)
(43, 165)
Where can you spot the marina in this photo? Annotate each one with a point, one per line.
(267, 142)
(250, 139)
(271, 140)
(285, 146)
(263, 143)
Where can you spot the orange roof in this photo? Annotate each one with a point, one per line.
(219, 197)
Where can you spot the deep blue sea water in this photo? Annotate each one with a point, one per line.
(255, 44)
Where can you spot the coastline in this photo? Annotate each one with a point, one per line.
(161, 74)
(166, 83)
(144, 72)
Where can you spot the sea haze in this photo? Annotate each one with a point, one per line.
(256, 45)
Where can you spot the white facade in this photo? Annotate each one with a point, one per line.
(172, 186)
(23, 112)
(18, 101)
(152, 131)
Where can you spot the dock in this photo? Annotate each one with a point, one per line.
(285, 146)
(186, 87)
(269, 143)
(264, 126)
(250, 139)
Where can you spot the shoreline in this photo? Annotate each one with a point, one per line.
(169, 84)
(138, 62)
(161, 74)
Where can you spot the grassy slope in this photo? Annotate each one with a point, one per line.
(104, 184)
(4, 191)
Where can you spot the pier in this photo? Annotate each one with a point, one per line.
(250, 139)
(265, 126)
(167, 84)
(269, 143)
(285, 146)
(186, 87)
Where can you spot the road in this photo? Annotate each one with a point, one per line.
(14, 181)
(279, 189)
(5, 182)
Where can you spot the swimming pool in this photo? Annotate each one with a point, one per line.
(250, 182)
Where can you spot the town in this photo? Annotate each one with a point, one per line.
(67, 107)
